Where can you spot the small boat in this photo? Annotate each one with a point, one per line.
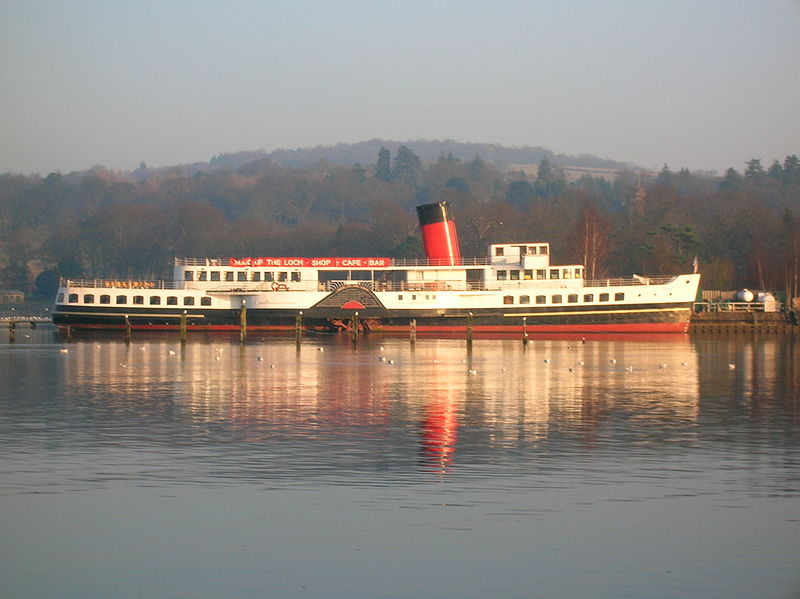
(513, 289)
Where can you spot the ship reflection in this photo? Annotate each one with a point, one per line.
(384, 404)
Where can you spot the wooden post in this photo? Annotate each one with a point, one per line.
(12, 331)
(243, 322)
(524, 330)
(298, 328)
(127, 330)
(469, 329)
(355, 328)
(412, 331)
(183, 327)
(69, 333)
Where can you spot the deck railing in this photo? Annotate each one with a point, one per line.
(118, 284)
(453, 285)
(624, 282)
(402, 262)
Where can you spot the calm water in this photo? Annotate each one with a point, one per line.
(632, 468)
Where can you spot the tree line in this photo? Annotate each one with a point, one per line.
(742, 227)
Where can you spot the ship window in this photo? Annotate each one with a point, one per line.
(122, 299)
(105, 299)
(540, 299)
(60, 298)
(501, 275)
(556, 299)
(589, 297)
(572, 298)
(528, 275)
(567, 273)
(172, 300)
(155, 300)
(413, 297)
(508, 299)
(554, 273)
(532, 249)
(603, 297)
(229, 275)
(215, 275)
(268, 276)
(618, 297)
(541, 274)
(499, 251)
(256, 276)
(88, 298)
(400, 297)
(543, 249)
(188, 275)
(295, 277)
(138, 299)
(188, 301)
(73, 298)
(514, 275)
(524, 299)
(241, 275)
(283, 276)
(202, 276)
(578, 273)
(205, 301)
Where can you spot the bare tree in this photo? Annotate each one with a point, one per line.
(589, 240)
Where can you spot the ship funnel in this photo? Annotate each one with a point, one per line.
(439, 233)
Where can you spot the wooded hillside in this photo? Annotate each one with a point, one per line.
(742, 227)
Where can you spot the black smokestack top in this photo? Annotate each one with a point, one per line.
(429, 214)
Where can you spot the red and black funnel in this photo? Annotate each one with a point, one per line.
(439, 233)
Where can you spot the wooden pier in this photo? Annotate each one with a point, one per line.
(742, 322)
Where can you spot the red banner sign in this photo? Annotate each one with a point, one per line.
(312, 262)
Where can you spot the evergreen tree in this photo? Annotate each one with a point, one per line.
(791, 170)
(383, 169)
(407, 166)
(754, 169)
(732, 181)
(520, 194)
(550, 181)
(664, 177)
(776, 171)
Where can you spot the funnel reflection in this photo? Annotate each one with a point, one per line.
(379, 405)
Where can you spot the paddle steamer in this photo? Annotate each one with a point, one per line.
(514, 286)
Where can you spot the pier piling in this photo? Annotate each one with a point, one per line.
(298, 328)
(355, 328)
(183, 327)
(412, 331)
(469, 329)
(12, 331)
(127, 330)
(243, 322)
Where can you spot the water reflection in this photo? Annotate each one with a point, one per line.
(492, 472)
(386, 406)
(460, 406)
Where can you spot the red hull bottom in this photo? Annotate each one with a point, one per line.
(659, 327)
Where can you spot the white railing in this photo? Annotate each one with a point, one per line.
(118, 284)
(401, 262)
(625, 282)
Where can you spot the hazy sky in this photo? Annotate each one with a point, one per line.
(705, 84)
